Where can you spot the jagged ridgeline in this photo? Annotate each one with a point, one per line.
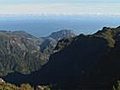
(90, 62)
(24, 53)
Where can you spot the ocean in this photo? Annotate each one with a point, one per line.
(44, 25)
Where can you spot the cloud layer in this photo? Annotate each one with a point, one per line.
(61, 9)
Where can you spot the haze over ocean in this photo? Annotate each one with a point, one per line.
(41, 17)
(44, 25)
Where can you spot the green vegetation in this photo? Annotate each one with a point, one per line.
(8, 86)
(116, 86)
(108, 34)
(24, 53)
(26, 87)
(86, 61)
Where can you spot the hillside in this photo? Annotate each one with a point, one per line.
(89, 62)
(83, 62)
(24, 53)
(49, 43)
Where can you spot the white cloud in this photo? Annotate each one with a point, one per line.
(61, 9)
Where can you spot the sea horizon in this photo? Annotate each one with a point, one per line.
(43, 25)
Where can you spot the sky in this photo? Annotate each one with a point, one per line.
(56, 1)
(60, 7)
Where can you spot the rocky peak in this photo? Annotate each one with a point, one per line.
(62, 34)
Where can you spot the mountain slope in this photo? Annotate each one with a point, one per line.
(86, 61)
(62, 34)
(89, 62)
(24, 53)
(18, 53)
(49, 43)
(74, 63)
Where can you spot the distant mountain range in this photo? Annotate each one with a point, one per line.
(25, 53)
(90, 62)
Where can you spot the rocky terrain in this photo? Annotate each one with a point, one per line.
(25, 53)
(89, 62)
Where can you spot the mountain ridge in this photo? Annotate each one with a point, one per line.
(82, 62)
(23, 52)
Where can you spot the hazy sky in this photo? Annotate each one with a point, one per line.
(56, 1)
(60, 7)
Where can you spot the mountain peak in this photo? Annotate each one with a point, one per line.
(118, 27)
(62, 34)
